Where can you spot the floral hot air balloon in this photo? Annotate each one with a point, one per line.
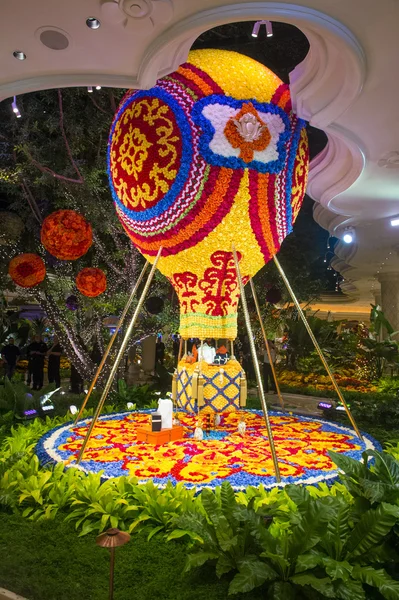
(212, 156)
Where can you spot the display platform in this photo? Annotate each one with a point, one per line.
(302, 446)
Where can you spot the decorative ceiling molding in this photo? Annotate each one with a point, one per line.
(335, 169)
(323, 85)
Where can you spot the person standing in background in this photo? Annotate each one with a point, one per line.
(267, 369)
(10, 353)
(37, 351)
(159, 350)
(54, 359)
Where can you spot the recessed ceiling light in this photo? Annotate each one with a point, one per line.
(395, 222)
(19, 54)
(93, 23)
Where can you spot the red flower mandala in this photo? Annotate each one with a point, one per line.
(66, 234)
(91, 282)
(27, 270)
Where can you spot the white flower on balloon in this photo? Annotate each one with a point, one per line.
(241, 134)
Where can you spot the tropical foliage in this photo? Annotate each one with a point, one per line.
(296, 542)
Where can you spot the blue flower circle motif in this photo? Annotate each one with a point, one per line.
(212, 114)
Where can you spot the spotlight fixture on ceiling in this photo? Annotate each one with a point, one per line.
(395, 221)
(256, 28)
(15, 108)
(93, 23)
(90, 89)
(349, 235)
(19, 55)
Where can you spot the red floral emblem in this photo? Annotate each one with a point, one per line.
(219, 283)
(185, 283)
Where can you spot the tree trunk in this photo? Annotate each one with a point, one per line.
(72, 346)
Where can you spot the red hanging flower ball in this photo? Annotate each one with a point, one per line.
(66, 234)
(91, 282)
(27, 270)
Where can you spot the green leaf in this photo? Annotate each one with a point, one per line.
(87, 528)
(298, 494)
(323, 586)
(154, 532)
(337, 569)
(378, 578)
(224, 565)
(349, 590)
(307, 561)
(179, 533)
(385, 467)
(281, 590)
(348, 465)
(198, 559)
(373, 526)
(252, 573)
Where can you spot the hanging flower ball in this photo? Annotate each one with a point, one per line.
(66, 234)
(72, 302)
(91, 282)
(27, 270)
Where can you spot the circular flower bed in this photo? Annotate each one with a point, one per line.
(66, 234)
(302, 446)
(27, 270)
(91, 282)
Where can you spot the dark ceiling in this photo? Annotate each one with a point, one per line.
(280, 53)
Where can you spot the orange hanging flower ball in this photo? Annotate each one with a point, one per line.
(66, 234)
(91, 282)
(27, 270)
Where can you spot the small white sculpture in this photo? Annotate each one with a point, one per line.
(198, 433)
(249, 127)
(165, 409)
(242, 426)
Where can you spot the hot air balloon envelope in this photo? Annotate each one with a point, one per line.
(212, 156)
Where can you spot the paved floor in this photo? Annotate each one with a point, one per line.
(297, 403)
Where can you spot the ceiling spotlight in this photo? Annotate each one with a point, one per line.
(98, 87)
(90, 89)
(93, 23)
(15, 108)
(349, 235)
(256, 28)
(18, 54)
(269, 28)
(395, 221)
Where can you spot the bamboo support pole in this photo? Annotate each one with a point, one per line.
(112, 340)
(255, 296)
(256, 367)
(119, 357)
(317, 347)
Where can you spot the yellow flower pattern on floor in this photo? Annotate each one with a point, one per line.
(302, 445)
